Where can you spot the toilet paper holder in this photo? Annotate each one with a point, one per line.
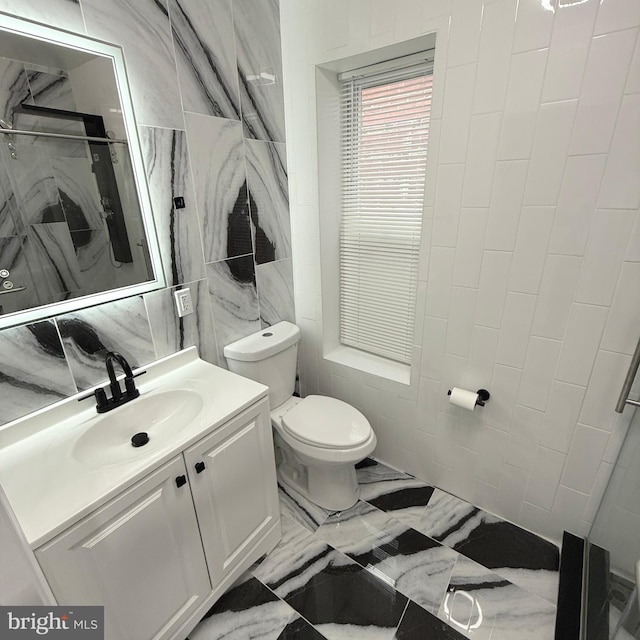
(483, 396)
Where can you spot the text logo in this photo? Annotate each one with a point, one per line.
(52, 623)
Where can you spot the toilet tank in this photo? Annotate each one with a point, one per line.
(270, 357)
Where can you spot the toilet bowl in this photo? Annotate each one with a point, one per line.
(318, 439)
(321, 439)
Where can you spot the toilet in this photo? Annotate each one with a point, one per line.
(318, 440)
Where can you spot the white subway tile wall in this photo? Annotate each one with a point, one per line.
(529, 283)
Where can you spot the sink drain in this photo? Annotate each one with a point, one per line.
(140, 439)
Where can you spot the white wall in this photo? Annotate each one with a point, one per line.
(531, 254)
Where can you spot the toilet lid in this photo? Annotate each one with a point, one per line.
(327, 422)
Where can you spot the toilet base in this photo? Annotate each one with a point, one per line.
(332, 487)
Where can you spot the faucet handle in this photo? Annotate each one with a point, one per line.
(101, 399)
(130, 388)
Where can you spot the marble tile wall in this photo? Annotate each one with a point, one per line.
(206, 84)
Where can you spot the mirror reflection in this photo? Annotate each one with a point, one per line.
(71, 224)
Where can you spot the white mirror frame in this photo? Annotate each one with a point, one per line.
(114, 52)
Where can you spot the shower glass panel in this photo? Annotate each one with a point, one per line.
(63, 228)
(612, 610)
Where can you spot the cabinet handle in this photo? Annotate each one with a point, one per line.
(181, 480)
(200, 467)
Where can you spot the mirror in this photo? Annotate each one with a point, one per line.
(75, 218)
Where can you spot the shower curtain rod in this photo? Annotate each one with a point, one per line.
(65, 136)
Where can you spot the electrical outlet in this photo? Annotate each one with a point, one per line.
(183, 302)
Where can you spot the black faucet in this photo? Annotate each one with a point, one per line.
(118, 396)
(130, 386)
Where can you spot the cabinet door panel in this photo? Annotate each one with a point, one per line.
(140, 556)
(236, 494)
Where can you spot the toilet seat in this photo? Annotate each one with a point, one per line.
(326, 422)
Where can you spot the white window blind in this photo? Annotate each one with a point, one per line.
(385, 131)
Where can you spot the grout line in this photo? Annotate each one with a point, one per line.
(406, 606)
(295, 612)
(66, 355)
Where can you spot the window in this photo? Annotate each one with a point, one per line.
(384, 132)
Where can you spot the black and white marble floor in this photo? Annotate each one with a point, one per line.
(406, 562)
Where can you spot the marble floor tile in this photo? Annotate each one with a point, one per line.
(205, 56)
(450, 519)
(482, 604)
(542, 582)
(295, 506)
(247, 610)
(398, 493)
(300, 629)
(418, 624)
(370, 471)
(359, 529)
(409, 561)
(296, 558)
(343, 600)
(518, 555)
(362, 574)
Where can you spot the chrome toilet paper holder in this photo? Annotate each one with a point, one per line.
(483, 396)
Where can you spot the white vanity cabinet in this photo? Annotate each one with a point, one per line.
(140, 556)
(233, 481)
(161, 553)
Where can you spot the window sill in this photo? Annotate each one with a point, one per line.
(371, 364)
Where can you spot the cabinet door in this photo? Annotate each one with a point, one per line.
(235, 492)
(140, 556)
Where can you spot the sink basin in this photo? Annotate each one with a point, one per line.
(161, 415)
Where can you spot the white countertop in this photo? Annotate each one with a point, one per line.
(49, 489)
